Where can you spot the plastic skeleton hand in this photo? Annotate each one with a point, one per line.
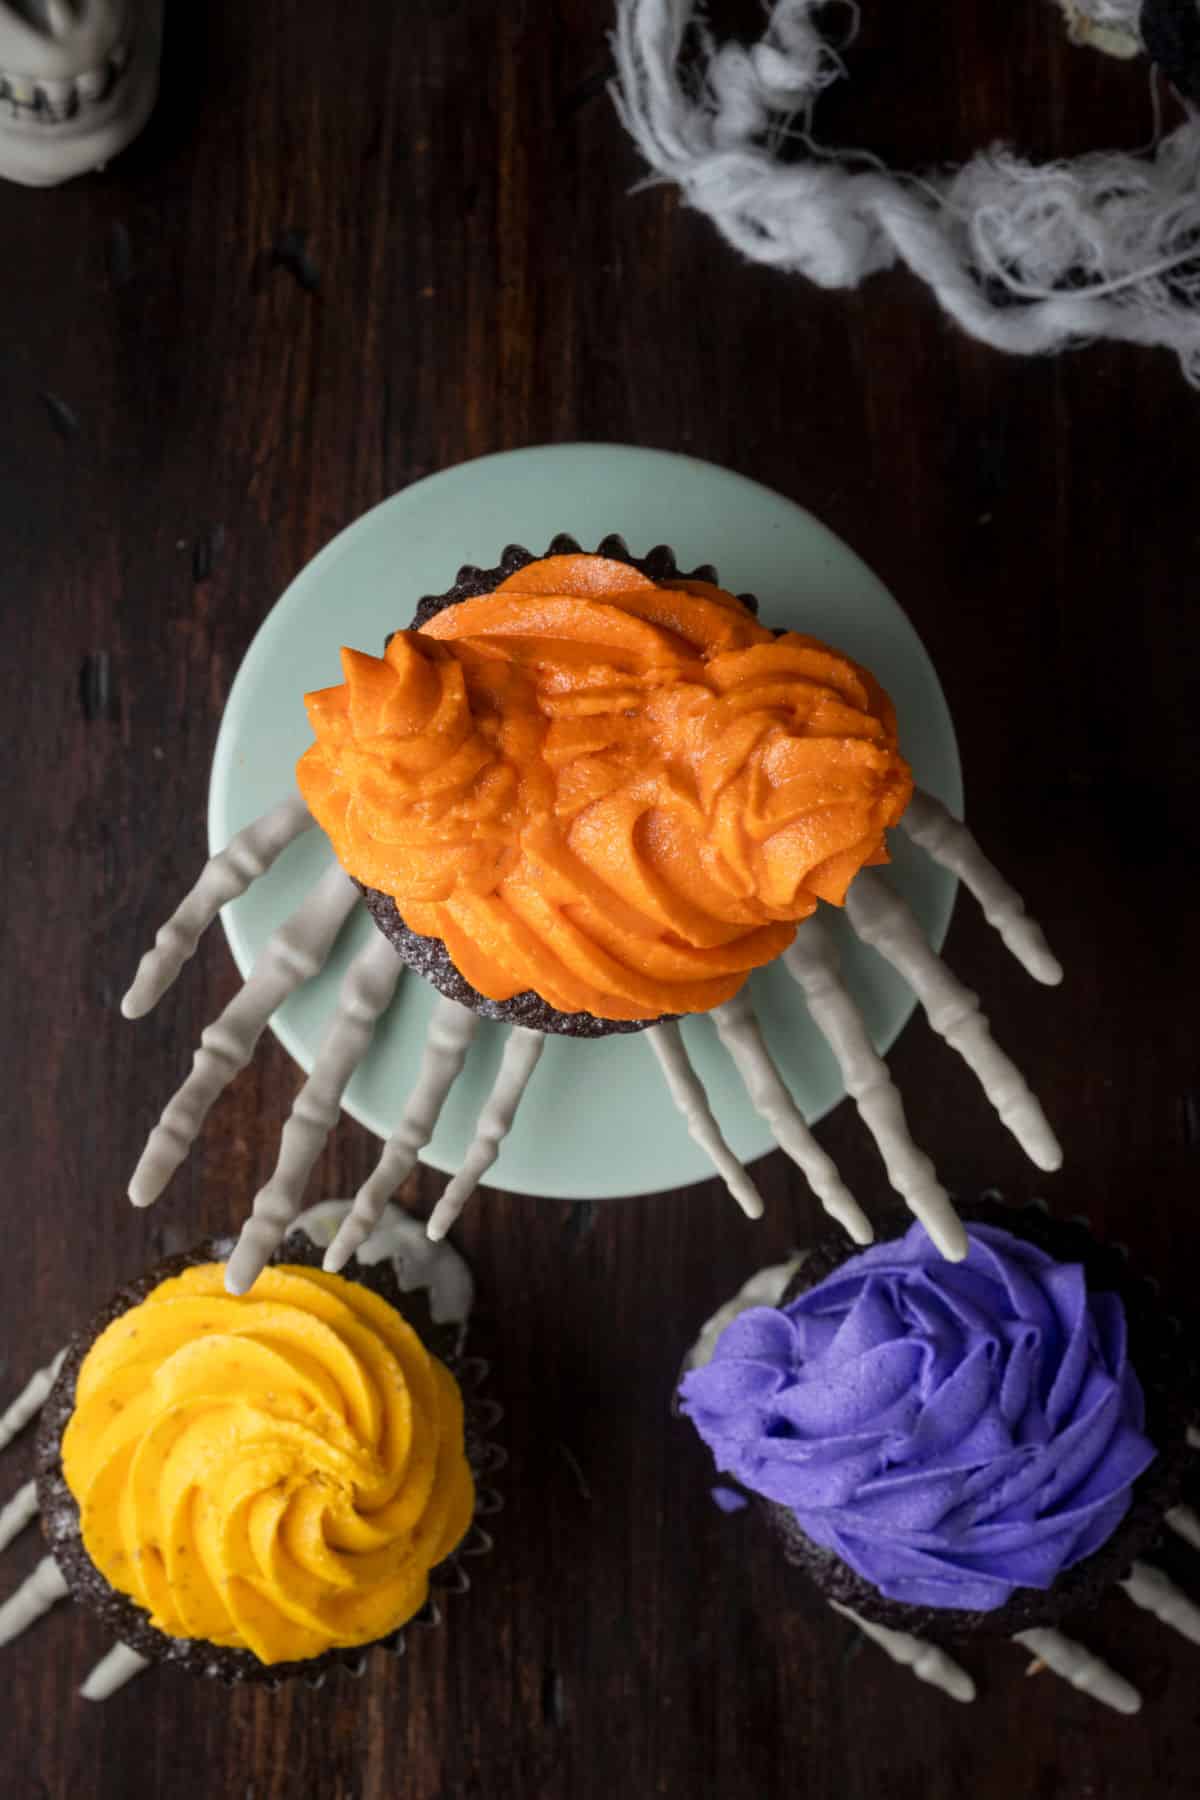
(1145, 1585)
(300, 947)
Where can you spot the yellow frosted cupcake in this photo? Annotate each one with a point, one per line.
(259, 1487)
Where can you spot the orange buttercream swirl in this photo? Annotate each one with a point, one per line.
(620, 794)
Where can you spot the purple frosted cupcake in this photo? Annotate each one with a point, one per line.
(954, 1448)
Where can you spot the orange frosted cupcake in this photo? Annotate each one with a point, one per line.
(586, 792)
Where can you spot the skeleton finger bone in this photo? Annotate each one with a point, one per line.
(946, 841)
(44, 1589)
(1155, 1593)
(926, 1661)
(451, 1031)
(21, 1511)
(687, 1091)
(112, 1672)
(1185, 1524)
(812, 962)
(291, 956)
(1083, 1670)
(884, 921)
(30, 1400)
(367, 992)
(521, 1056)
(739, 1031)
(245, 858)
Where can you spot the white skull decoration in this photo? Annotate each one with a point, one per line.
(78, 80)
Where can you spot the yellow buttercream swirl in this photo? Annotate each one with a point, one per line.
(277, 1473)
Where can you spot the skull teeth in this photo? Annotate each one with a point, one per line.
(39, 100)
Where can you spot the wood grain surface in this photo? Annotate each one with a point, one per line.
(360, 243)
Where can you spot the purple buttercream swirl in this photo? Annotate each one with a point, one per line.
(950, 1430)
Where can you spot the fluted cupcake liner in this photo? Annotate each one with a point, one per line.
(428, 956)
(128, 1622)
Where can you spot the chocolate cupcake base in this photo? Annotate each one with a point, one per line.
(1161, 1359)
(127, 1621)
(428, 956)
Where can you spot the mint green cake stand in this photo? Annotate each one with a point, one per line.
(597, 1121)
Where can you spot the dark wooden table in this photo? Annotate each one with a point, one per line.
(360, 243)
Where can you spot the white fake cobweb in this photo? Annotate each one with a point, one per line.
(1028, 257)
